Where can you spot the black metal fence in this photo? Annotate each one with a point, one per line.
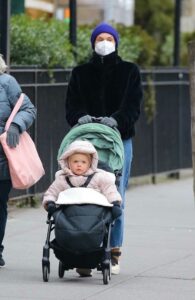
(164, 145)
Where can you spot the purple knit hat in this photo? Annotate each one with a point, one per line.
(104, 27)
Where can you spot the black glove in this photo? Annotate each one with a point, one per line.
(111, 122)
(13, 135)
(85, 119)
(116, 210)
(51, 207)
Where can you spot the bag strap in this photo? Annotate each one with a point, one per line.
(85, 183)
(14, 111)
(88, 180)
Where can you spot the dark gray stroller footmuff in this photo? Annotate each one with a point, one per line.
(81, 228)
(81, 235)
(82, 239)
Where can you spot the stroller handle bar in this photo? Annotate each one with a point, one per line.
(98, 120)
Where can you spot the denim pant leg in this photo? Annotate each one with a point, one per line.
(5, 187)
(118, 228)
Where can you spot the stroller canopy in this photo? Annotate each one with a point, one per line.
(106, 140)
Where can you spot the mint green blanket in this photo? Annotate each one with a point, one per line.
(106, 140)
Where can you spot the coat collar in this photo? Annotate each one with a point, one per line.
(101, 61)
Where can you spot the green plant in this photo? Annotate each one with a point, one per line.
(46, 43)
(83, 48)
(157, 18)
(150, 100)
(166, 56)
(40, 42)
(29, 201)
(147, 46)
(167, 49)
(185, 39)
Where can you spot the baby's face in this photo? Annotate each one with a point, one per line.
(79, 163)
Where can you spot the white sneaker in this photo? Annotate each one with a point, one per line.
(115, 269)
(115, 255)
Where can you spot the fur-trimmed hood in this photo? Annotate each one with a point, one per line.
(79, 146)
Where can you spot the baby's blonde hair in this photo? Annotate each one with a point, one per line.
(3, 65)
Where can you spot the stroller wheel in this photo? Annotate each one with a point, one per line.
(45, 273)
(61, 270)
(106, 276)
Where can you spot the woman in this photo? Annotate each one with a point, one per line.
(107, 87)
(9, 94)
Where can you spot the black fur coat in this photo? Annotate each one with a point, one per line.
(106, 86)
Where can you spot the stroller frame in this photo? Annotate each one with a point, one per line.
(103, 265)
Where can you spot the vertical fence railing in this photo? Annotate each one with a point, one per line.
(169, 132)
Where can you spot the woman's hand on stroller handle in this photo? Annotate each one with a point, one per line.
(97, 119)
(85, 119)
(108, 121)
(89, 119)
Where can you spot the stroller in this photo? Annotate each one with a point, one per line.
(82, 231)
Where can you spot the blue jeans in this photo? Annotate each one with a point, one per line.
(5, 187)
(118, 228)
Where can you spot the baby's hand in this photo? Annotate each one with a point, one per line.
(51, 207)
(116, 210)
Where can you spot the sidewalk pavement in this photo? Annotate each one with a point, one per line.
(158, 260)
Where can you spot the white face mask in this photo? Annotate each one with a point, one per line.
(104, 47)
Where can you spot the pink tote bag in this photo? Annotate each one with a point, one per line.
(24, 162)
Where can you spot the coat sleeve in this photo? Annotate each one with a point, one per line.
(106, 182)
(54, 189)
(129, 110)
(27, 112)
(74, 104)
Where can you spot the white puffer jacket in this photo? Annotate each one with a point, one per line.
(102, 181)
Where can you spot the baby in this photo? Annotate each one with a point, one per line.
(79, 169)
